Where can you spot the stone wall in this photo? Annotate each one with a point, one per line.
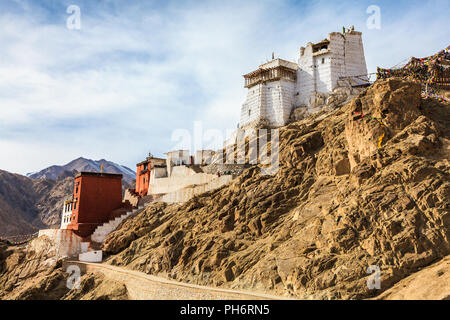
(251, 109)
(65, 242)
(183, 195)
(305, 76)
(182, 176)
(279, 96)
(235, 169)
(270, 103)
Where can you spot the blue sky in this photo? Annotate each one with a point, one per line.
(138, 70)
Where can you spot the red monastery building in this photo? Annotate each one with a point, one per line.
(95, 198)
(142, 177)
(143, 170)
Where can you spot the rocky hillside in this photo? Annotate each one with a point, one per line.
(351, 192)
(431, 283)
(27, 204)
(82, 164)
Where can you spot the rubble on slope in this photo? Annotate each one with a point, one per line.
(94, 286)
(343, 199)
(30, 273)
(431, 283)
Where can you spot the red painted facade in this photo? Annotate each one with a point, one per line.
(96, 195)
(143, 177)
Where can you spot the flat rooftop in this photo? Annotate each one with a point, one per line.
(99, 174)
(149, 160)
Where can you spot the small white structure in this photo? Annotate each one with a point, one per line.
(279, 86)
(66, 215)
(177, 158)
(203, 157)
(91, 256)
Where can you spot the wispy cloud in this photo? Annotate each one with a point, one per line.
(135, 71)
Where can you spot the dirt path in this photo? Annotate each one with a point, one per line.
(142, 286)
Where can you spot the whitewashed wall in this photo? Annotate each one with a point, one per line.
(305, 76)
(279, 96)
(355, 61)
(65, 242)
(184, 194)
(253, 103)
(272, 101)
(182, 176)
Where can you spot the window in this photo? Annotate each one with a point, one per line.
(320, 46)
(323, 60)
(249, 112)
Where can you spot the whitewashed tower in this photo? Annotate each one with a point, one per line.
(270, 94)
(323, 66)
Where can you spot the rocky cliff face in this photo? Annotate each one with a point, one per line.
(342, 200)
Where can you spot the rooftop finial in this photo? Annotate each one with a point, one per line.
(273, 55)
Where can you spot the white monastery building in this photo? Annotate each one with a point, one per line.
(279, 86)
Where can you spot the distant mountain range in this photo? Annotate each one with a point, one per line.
(27, 205)
(82, 164)
(33, 202)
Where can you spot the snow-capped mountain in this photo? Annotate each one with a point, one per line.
(82, 164)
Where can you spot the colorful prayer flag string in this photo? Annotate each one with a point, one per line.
(19, 240)
(433, 73)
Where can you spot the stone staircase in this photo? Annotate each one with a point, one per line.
(132, 197)
(102, 231)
